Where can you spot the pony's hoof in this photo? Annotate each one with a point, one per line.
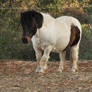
(74, 69)
(41, 69)
(60, 70)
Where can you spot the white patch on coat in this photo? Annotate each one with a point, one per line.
(54, 34)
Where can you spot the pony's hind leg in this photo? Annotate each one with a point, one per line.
(74, 57)
(71, 59)
(62, 60)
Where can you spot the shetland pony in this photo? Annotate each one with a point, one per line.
(50, 34)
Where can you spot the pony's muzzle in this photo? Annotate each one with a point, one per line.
(25, 40)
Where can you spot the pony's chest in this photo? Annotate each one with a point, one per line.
(44, 43)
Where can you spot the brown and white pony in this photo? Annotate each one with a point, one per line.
(50, 34)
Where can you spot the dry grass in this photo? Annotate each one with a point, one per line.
(20, 76)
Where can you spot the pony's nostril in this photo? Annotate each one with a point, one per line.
(24, 40)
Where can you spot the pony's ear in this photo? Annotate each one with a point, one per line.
(38, 18)
(21, 13)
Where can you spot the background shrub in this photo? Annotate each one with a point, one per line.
(11, 46)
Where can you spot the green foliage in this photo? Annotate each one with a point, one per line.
(86, 42)
(11, 46)
(51, 6)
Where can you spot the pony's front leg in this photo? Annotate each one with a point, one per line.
(38, 58)
(62, 60)
(44, 59)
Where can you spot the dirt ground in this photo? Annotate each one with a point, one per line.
(20, 76)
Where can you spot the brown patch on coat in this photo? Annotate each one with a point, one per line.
(75, 36)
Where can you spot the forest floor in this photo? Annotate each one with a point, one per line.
(20, 76)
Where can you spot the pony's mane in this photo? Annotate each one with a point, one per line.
(47, 16)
